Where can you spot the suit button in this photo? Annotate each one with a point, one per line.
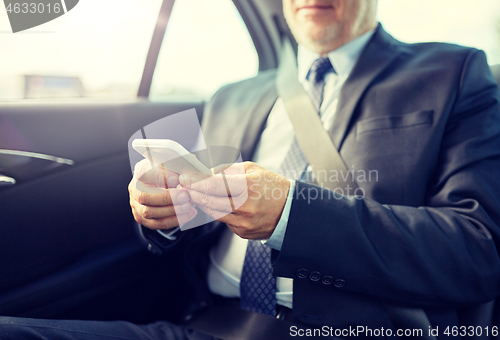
(339, 283)
(315, 276)
(302, 273)
(327, 280)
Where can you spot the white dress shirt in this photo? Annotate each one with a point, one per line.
(228, 255)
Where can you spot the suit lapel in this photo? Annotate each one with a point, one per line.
(237, 117)
(380, 52)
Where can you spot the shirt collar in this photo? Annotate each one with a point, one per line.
(343, 58)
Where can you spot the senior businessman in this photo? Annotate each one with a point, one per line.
(418, 246)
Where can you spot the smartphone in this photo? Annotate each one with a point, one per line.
(171, 155)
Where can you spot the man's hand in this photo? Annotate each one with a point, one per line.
(258, 195)
(155, 202)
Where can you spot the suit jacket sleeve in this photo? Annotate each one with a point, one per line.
(442, 254)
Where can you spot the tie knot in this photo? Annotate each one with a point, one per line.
(319, 68)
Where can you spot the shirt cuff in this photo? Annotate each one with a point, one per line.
(169, 234)
(276, 239)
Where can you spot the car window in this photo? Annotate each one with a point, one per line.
(469, 23)
(206, 46)
(98, 49)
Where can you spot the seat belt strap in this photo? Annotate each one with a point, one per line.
(307, 124)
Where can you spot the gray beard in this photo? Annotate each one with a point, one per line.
(321, 42)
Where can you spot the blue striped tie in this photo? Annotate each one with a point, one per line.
(257, 285)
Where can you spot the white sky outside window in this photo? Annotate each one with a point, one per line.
(206, 46)
(105, 42)
(470, 23)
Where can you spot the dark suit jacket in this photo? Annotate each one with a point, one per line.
(426, 118)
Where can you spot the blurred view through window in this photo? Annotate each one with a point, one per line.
(99, 50)
(206, 46)
(470, 23)
(96, 50)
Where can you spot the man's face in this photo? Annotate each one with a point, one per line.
(324, 25)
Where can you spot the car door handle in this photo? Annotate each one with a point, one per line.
(5, 180)
(28, 154)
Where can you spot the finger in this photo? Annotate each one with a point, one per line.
(156, 213)
(172, 178)
(230, 169)
(165, 223)
(189, 179)
(161, 177)
(219, 203)
(237, 185)
(142, 167)
(211, 185)
(238, 201)
(221, 216)
(238, 189)
(217, 185)
(146, 172)
(157, 197)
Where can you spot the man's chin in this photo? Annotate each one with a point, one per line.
(319, 39)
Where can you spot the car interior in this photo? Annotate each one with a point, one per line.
(69, 245)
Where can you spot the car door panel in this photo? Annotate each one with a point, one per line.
(56, 219)
(67, 242)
